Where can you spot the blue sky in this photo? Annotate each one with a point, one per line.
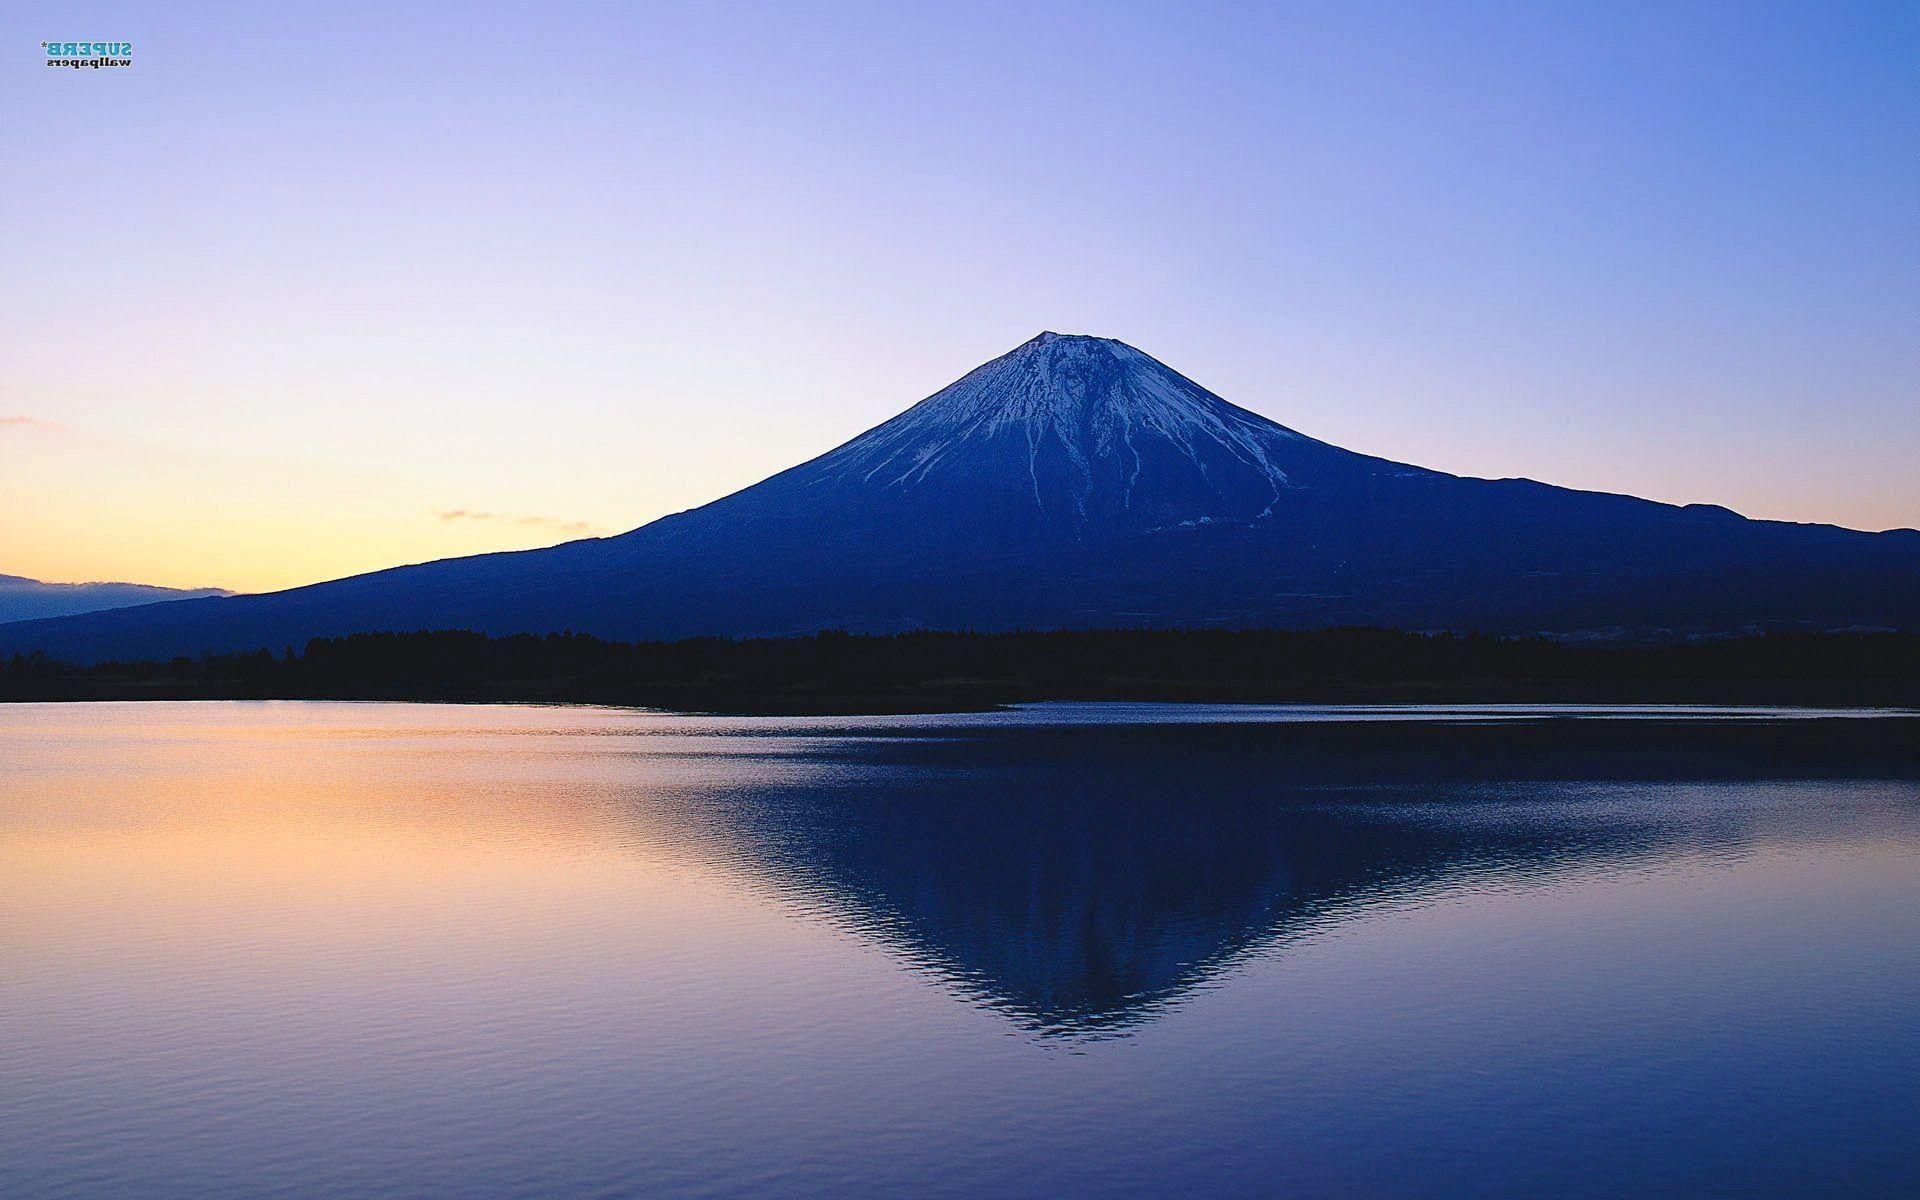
(306, 279)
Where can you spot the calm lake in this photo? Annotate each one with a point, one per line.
(381, 950)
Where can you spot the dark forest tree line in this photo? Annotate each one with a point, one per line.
(934, 670)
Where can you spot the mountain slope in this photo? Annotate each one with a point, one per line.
(23, 599)
(1077, 482)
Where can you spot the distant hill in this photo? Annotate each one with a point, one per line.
(1075, 482)
(23, 599)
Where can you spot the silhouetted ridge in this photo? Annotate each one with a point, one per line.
(23, 599)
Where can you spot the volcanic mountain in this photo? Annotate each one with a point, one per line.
(1077, 482)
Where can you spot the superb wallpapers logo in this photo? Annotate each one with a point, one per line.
(88, 54)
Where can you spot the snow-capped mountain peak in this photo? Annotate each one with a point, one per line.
(1074, 482)
(1096, 430)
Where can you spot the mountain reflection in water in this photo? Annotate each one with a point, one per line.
(1083, 880)
(386, 950)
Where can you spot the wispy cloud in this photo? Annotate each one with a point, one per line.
(26, 422)
(555, 523)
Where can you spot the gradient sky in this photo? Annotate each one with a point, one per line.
(319, 288)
